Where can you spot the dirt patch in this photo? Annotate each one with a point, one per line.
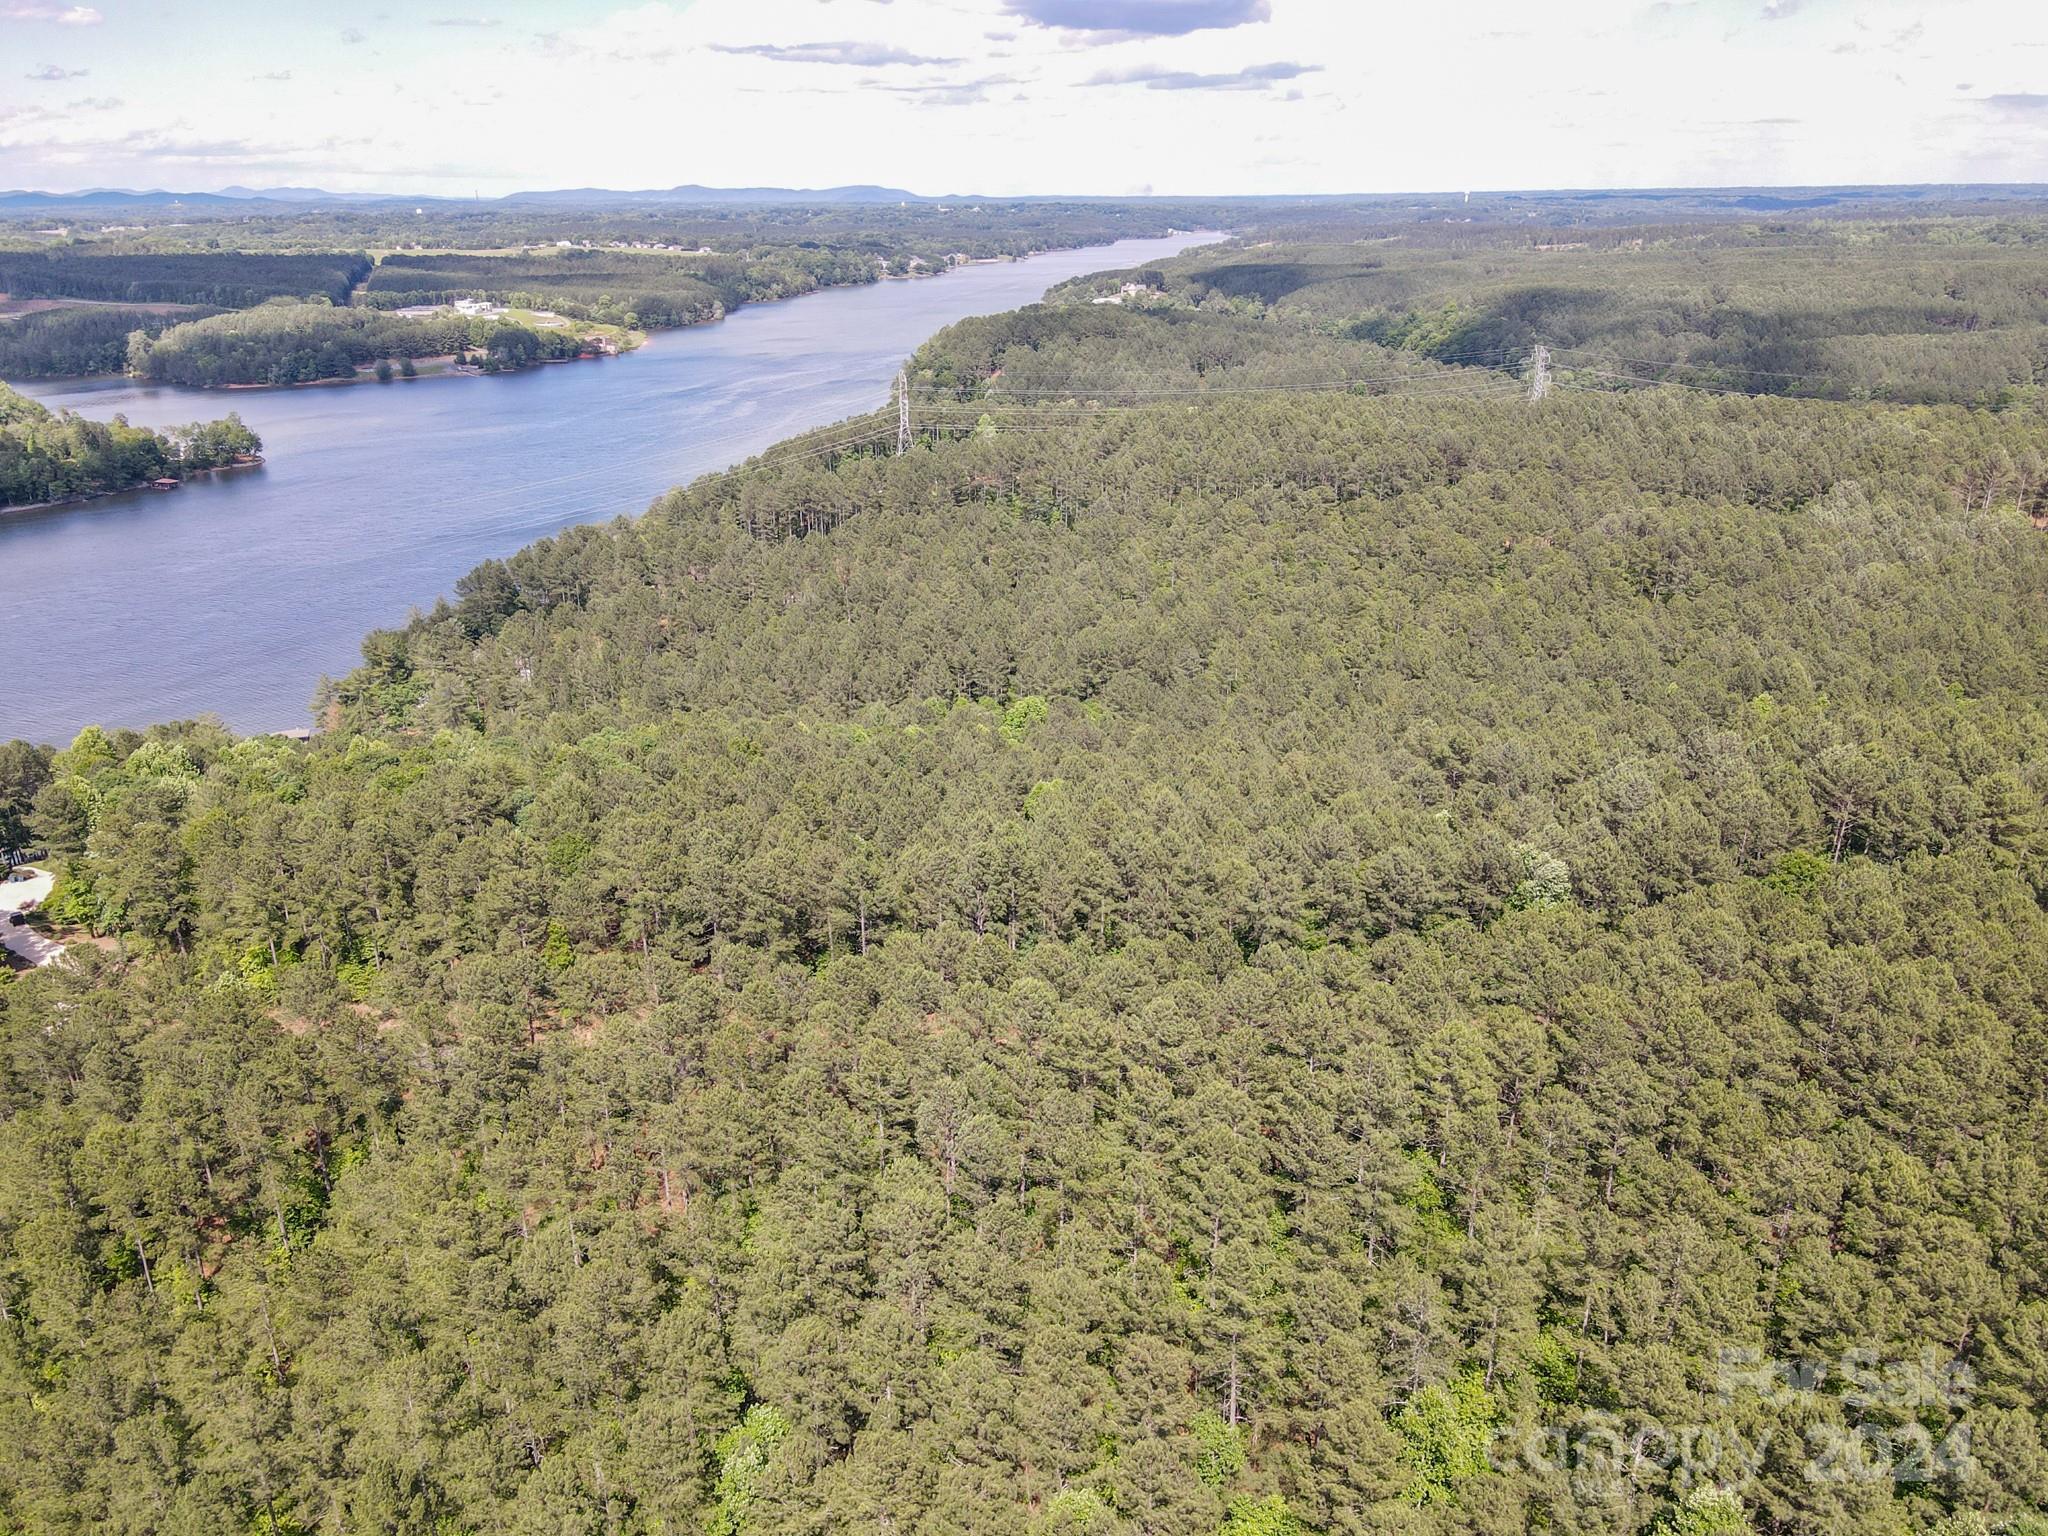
(10, 306)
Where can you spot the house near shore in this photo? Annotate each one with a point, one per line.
(1127, 291)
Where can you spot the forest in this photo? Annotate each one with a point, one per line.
(48, 456)
(227, 279)
(1924, 311)
(312, 315)
(1042, 363)
(78, 340)
(629, 288)
(981, 227)
(286, 343)
(1259, 936)
(1912, 301)
(933, 231)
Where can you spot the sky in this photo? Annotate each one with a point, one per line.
(1011, 97)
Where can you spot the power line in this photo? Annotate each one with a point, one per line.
(1637, 379)
(996, 410)
(1153, 392)
(1501, 355)
(1191, 390)
(1056, 418)
(1717, 367)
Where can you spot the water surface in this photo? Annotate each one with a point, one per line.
(234, 595)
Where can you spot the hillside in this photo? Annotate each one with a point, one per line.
(1277, 963)
(1937, 310)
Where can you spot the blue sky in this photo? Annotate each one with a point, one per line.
(1018, 96)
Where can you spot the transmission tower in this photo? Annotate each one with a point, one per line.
(1539, 373)
(902, 413)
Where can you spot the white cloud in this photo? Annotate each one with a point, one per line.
(63, 15)
(1142, 18)
(1253, 77)
(1009, 96)
(866, 55)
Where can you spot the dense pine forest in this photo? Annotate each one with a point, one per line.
(1905, 310)
(1259, 936)
(286, 343)
(70, 343)
(230, 279)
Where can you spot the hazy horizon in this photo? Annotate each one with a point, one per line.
(999, 97)
(400, 193)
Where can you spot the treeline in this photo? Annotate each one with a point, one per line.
(285, 343)
(1037, 363)
(933, 232)
(54, 456)
(66, 343)
(617, 287)
(1265, 965)
(1923, 312)
(228, 279)
(984, 227)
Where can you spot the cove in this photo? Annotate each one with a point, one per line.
(234, 594)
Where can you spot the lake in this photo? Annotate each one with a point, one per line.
(234, 594)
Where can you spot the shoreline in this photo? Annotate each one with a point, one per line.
(646, 336)
(697, 401)
(126, 490)
(446, 369)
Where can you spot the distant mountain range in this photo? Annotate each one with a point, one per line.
(1666, 200)
(586, 196)
(583, 197)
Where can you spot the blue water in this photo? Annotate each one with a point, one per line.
(234, 595)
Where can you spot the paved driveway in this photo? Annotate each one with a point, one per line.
(25, 941)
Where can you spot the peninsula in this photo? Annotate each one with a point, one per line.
(48, 458)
